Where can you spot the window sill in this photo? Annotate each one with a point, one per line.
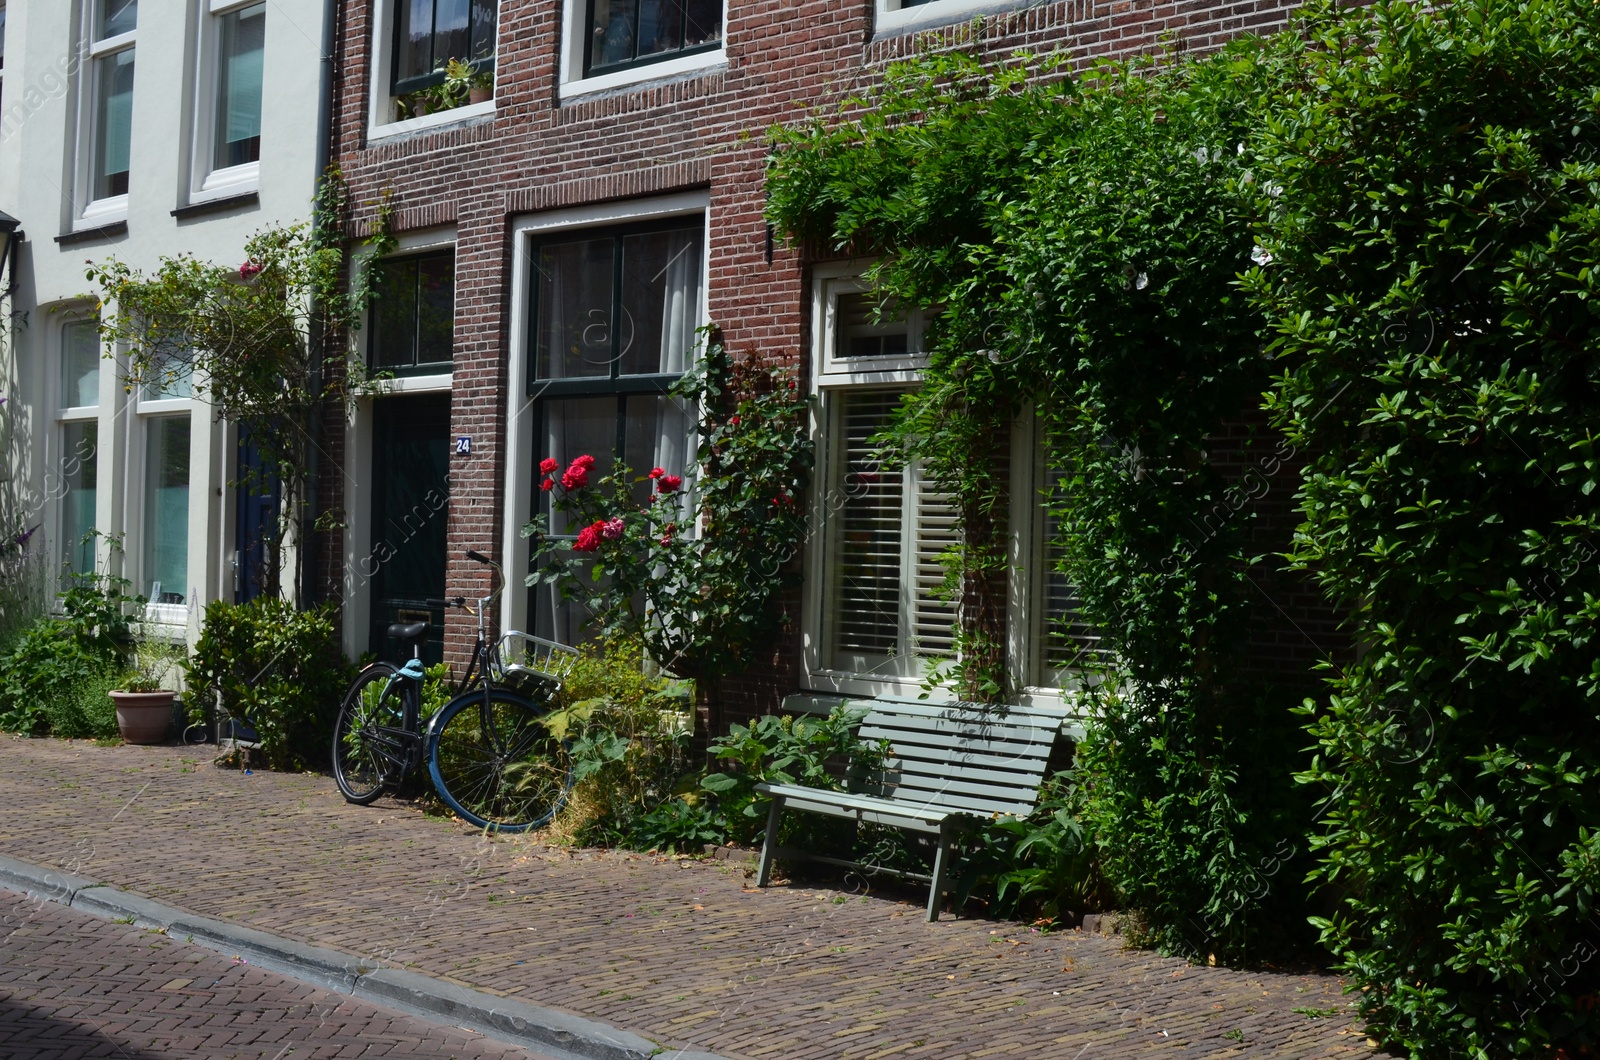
(411, 384)
(698, 62)
(393, 129)
(218, 205)
(901, 21)
(110, 230)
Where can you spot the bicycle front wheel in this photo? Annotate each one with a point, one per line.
(364, 741)
(495, 763)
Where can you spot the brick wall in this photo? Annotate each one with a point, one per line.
(695, 132)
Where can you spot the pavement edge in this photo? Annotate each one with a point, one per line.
(506, 1019)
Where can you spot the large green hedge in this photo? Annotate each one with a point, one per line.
(1381, 227)
(1432, 212)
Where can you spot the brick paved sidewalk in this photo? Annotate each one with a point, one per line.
(72, 985)
(684, 952)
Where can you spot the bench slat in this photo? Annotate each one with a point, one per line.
(966, 728)
(1049, 718)
(931, 787)
(1015, 759)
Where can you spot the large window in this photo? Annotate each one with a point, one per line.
(240, 36)
(881, 613)
(74, 481)
(614, 313)
(429, 33)
(106, 128)
(629, 32)
(166, 509)
(413, 325)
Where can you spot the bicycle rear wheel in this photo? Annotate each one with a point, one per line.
(364, 741)
(495, 763)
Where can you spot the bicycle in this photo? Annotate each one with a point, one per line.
(489, 754)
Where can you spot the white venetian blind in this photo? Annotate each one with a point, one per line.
(935, 531)
(865, 603)
(1070, 641)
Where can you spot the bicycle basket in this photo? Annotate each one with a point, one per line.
(531, 665)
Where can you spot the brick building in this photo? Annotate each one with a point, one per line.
(558, 244)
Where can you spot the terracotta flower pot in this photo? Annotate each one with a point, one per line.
(479, 95)
(143, 717)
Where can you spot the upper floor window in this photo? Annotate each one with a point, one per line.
(241, 34)
(630, 32)
(107, 131)
(429, 33)
(413, 325)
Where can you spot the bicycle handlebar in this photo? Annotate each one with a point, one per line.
(479, 557)
(451, 601)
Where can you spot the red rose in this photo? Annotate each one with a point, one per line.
(656, 472)
(734, 422)
(249, 270)
(588, 538)
(575, 477)
(549, 464)
(548, 484)
(670, 483)
(586, 462)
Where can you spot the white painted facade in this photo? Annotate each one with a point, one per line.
(178, 199)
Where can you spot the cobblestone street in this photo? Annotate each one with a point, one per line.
(686, 952)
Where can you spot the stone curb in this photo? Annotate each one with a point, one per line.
(507, 1019)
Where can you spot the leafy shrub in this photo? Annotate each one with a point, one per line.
(623, 728)
(811, 751)
(44, 676)
(86, 710)
(1046, 865)
(1431, 211)
(677, 825)
(279, 668)
(24, 596)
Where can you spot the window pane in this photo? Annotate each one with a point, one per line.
(483, 26)
(395, 315)
(660, 26)
(172, 376)
(657, 432)
(78, 475)
(166, 509)
(702, 22)
(450, 30)
(80, 364)
(243, 39)
(613, 32)
(660, 301)
(436, 309)
(856, 334)
(574, 309)
(113, 123)
(414, 39)
(864, 604)
(116, 16)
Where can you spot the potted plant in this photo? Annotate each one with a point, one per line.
(144, 707)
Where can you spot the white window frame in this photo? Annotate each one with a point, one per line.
(55, 481)
(831, 376)
(383, 120)
(522, 426)
(891, 17)
(145, 410)
(97, 212)
(574, 29)
(208, 183)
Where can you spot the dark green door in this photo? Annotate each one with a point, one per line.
(410, 512)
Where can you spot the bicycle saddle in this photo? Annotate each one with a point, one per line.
(408, 631)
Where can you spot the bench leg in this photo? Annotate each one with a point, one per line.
(941, 863)
(769, 842)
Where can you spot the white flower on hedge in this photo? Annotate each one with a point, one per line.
(1261, 256)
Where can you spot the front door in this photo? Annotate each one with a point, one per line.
(411, 493)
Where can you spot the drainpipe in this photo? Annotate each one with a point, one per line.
(328, 112)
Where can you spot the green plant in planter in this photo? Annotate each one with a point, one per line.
(156, 663)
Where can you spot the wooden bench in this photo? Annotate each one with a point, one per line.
(950, 765)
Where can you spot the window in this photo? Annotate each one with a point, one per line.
(887, 529)
(166, 509)
(625, 33)
(429, 33)
(879, 613)
(413, 325)
(74, 481)
(613, 321)
(106, 128)
(910, 15)
(241, 42)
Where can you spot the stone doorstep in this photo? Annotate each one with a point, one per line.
(560, 1034)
